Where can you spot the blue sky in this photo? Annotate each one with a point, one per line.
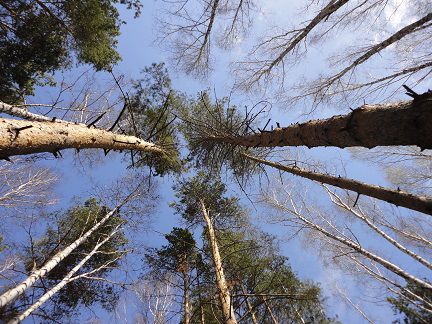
(137, 48)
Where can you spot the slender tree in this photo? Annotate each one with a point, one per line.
(175, 258)
(201, 200)
(45, 266)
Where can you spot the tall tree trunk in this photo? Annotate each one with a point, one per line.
(19, 137)
(249, 305)
(68, 278)
(403, 123)
(397, 197)
(35, 275)
(185, 297)
(270, 311)
(224, 293)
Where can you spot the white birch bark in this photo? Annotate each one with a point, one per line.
(67, 279)
(13, 293)
(356, 247)
(338, 201)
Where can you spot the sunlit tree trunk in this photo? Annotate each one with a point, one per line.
(360, 215)
(403, 123)
(397, 197)
(249, 305)
(67, 279)
(362, 251)
(13, 293)
(19, 137)
(224, 293)
(186, 296)
(21, 112)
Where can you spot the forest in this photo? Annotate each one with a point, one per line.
(216, 161)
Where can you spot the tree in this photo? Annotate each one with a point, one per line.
(201, 201)
(49, 261)
(72, 262)
(176, 257)
(39, 37)
(340, 246)
(215, 139)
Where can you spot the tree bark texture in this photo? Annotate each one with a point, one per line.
(186, 297)
(68, 278)
(396, 197)
(224, 293)
(20, 137)
(13, 293)
(403, 123)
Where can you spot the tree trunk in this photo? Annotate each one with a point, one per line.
(68, 278)
(270, 311)
(224, 293)
(399, 198)
(11, 294)
(24, 113)
(249, 305)
(376, 229)
(185, 297)
(356, 247)
(19, 137)
(403, 123)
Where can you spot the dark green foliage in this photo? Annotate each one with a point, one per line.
(224, 211)
(151, 116)
(206, 124)
(71, 226)
(39, 37)
(177, 256)
(412, 311)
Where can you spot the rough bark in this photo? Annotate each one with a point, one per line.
(20, 137)
(68, 278)
(18, 290)
(224, 293)
(396, 197)
(403, 123)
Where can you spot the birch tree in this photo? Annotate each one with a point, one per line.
(50, 261)
(340, 244)
(71, 276)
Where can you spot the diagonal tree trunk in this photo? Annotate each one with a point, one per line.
(19, 137)
(224, 293)
(249, 305)
(397, 197)
(360, 215)
(403, 123)
(67, 279)
(274, 320)
(362, 251)
(23, 113)
(35, 275)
